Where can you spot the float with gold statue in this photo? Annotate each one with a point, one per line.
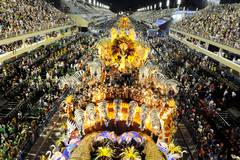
(122, 50)
(122, 107)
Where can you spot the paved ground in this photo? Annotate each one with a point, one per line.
(47, 138)
(184, 139)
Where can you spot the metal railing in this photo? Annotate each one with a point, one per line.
(37, 28)
(226, 47)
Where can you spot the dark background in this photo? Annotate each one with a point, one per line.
(133, 5)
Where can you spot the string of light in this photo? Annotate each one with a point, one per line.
(159, 6)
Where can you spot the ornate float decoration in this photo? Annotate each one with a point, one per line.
(124, 23)
(121, 90)
(123, 50)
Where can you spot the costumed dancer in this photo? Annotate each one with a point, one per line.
(131, 112)
(144, 114)
(117, 109)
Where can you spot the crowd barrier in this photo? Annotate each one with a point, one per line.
(196, 45)
(38, 28)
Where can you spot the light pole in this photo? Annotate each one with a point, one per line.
(160, 5)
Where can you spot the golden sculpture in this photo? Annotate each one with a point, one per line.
(124, 22)
(123, 50)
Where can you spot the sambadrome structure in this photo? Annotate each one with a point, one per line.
(122, 107)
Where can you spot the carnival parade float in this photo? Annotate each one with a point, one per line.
(121, 107)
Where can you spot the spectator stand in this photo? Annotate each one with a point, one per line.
(8, 37)
(183, 37)
(64, 32)
(217, 119)
(15, 19)
(27, 110)
(219, 23)
(13, 91)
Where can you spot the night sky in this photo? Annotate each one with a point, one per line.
(132, 5)
(127, 5)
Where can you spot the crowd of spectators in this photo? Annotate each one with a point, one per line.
(219, 23)
(153, 15)
(21, 16)
(10, 47)
(33, 80)
(34, 39)
(103, 27)
(87, 11)
(201, 98)
(14, 46)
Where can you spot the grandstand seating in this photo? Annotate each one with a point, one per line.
(152, 16)
(218, 23)
(15, 18)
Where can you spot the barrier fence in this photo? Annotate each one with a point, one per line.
(39, 27)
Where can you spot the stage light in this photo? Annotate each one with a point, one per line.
(179, 2)
(155, 6)
(168, 3)
(160, 5)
